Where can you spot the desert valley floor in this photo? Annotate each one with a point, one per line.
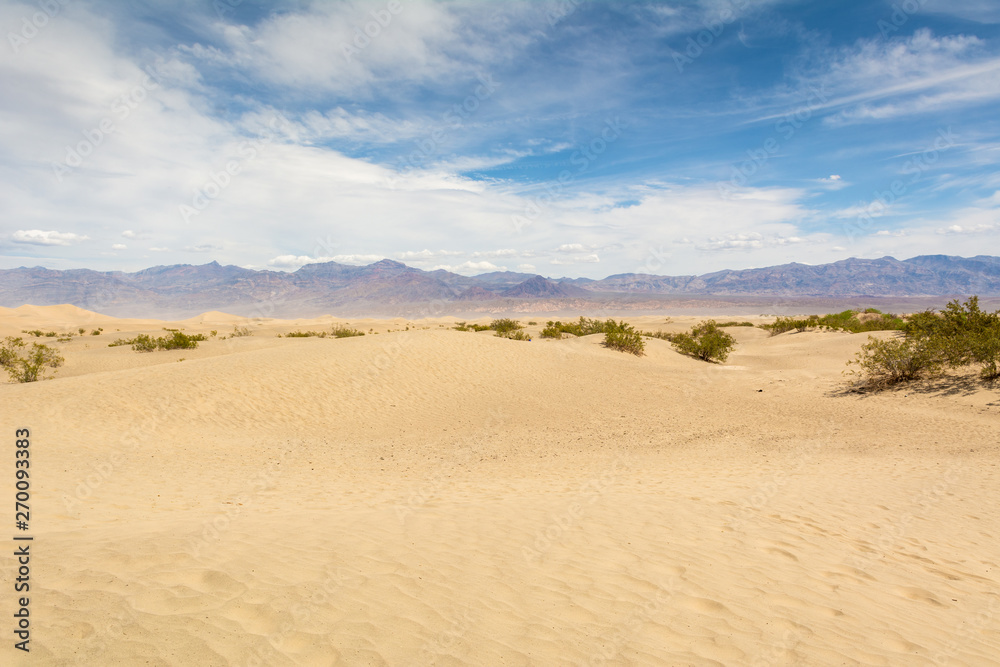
(426, 496)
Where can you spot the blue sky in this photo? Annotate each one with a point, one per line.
(562, 138)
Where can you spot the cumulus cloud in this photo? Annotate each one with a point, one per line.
(39, 237)
(118, 246)
(582, 259)
(471, 268)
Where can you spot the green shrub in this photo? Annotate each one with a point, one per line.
(551, 330)
(27, 366)
(146, 343)
(968, 335)
(516, 335)
(532, 324)
(96, 332)
(505, 326)
(887, 362)
(343, 331)
(662, 335)
(143, 343)
(621, 336)
(706, 342)
(179, 341)
(304, 334)
(735, 324)
(239, 332)
(847, 320)
(82, 331)
(584, 327)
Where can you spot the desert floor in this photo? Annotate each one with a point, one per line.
(428, 496)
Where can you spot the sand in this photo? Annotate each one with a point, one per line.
(428, 496)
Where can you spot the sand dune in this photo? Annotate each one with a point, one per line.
(428, 496)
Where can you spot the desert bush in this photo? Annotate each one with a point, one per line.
(146, 343)
(735, 324)
(960, 335)
(623, 337)
(143, 343)
(551, 330)
(30, 365)
(240, 332)
(505, 326)
(304, 334)
(343, 331)
(96, 332)
(179, 341)
(583, 327)
(517, 335)
(706, 342)
(662, 335)
(968, 335)
(883, 363)
(847, 320)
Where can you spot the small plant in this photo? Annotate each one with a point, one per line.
(621, 336)
(662, 335)
(82, 331)
(240, 332)
(532, 324)
(304, 334)
(884, 363)
(65, 339)
(505, 326)
(27, 366)
(143, 343)
(518, 335)
(722, 325)
(706, 342)
(213, 333)
(96, 332)
(146, 343)
(344, 331)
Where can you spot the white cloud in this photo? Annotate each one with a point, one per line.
(526, 268)
(119, 246)
(582, 259)
(421, 255)
(129, 234)
(573, 248)
(160, 249)
(471, 268)
(39, 237)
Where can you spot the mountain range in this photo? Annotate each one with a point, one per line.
(390, 287)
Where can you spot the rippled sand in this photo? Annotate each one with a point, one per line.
(437, 497)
